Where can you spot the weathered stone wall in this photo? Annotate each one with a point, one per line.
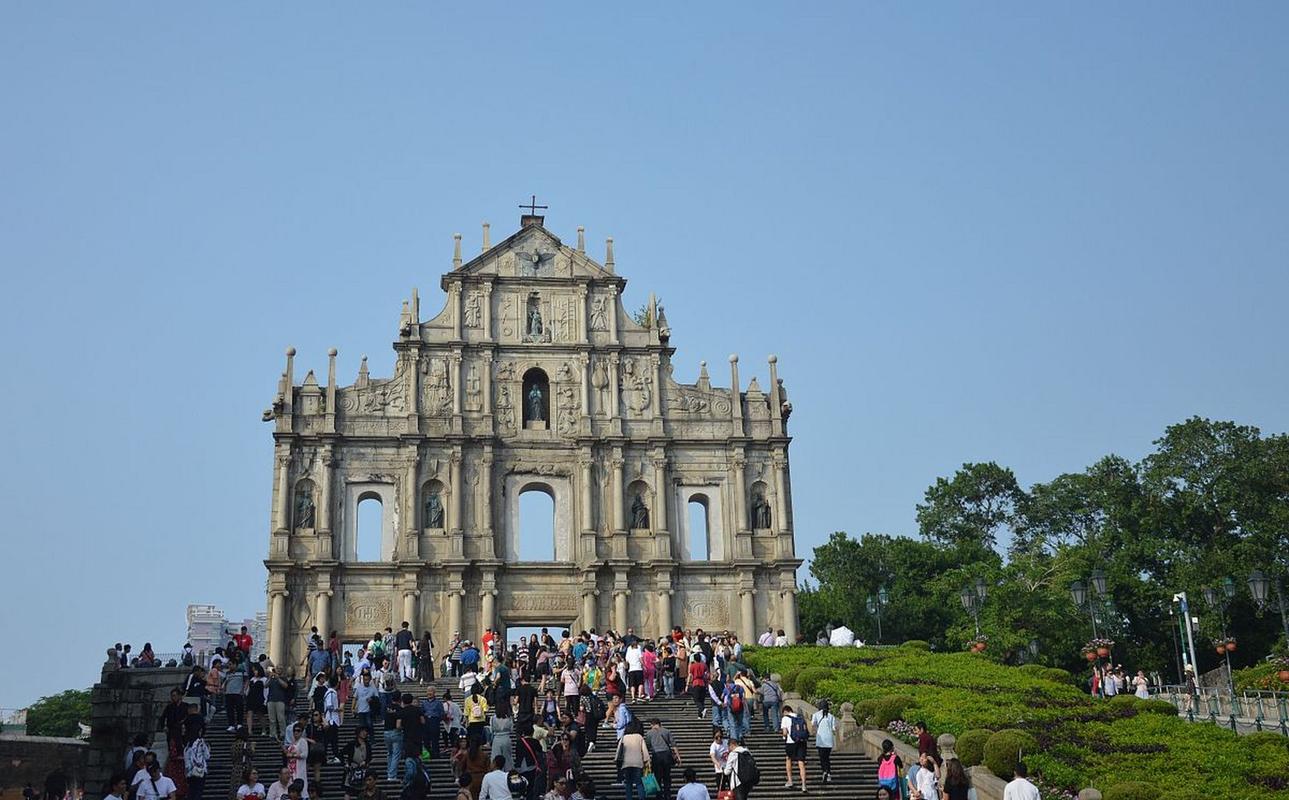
(123, 704)
(31, 759)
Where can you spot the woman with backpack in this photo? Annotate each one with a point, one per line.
(357, 760)
(795, 736)
(889, 768)
(476, 715)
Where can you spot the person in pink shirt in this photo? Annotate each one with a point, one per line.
(650, 660)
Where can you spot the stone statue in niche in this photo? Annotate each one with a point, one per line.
(760, 512)
(599, 315)
(535, 403)
(473, 310)
(304, 511)
(433, 510)
(639, 513)
(534, 317)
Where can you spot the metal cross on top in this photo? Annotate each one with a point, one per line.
(532, 206)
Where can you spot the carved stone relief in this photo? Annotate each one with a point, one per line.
(474, 310)
(473, 390)
(599, 314)
(600, 382)
(637, 385)
(536, 601)
(367, 613)
(569, 405)
(504, 411)
(436, 388)
(707, 610)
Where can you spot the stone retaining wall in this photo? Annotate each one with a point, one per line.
(123, 704)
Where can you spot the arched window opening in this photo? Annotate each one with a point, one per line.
(699, 546)
(370, 521)
(303, 510)
(536, 525)
(536, 400)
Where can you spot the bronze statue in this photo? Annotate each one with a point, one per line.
(760, 512)
(535, 403)
(639, 513)
(303, 509)
(433, 510)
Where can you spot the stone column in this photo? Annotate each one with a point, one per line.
(413, 392)
(277, 627)
(620, 609)
(747, 602)
(329, 420)
(324, 499)
(322, 612)
(588, 608)
(485, 494)
(780, 521)
(586, 384)
(454, 300)
(613, 320)
(776, 399)
(283, 466)
(489, 611)
(487, 386)
(409, 607)
(739, 465)
(588, 522)
(408, 509)
(790, 615)
(454, 609)
(660, 491)
(614, 393)
(456, 385)
(657, 386)
(487, 312)
(619, 512)
(664, 610)
(454, 502)
(582, 318)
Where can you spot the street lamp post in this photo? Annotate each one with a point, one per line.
(875, 605)
(1089, 601)
(973, 599)
(1218, 600)
(1259, 587)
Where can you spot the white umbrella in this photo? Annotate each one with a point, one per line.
(842, 637)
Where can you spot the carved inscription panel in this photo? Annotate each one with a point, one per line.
(367, 613)
(706, 610)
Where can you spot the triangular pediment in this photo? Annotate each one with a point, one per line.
(534, 252)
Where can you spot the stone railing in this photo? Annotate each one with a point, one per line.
(123, 704)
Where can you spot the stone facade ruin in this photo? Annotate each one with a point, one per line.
(533, 377)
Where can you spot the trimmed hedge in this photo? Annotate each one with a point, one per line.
(917, 644)
(1081, 741)
(807, 679)
(971, 746)
(1004, 748)
(1131, 790)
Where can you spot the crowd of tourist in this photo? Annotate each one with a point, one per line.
(531, 709)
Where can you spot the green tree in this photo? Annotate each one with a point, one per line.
(970, 509)
(58, 715)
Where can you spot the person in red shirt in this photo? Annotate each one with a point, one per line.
(243, 641)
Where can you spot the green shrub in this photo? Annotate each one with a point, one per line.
(917, 644)
(1131, 790)
(864, 711)
(1058, 675)
(1004, 748)
(971, 746)
(807, 679)
(890, 709)
(1032, 669)
(789, 676)
(1165, 708)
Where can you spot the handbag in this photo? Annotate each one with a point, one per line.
(722, 793)
(651, 786)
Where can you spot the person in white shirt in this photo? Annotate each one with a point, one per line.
(926, 783)
(495, 785)
(693, 789)
(1020, 788)
(718, 751)
(767, 638)
(737, 752)
(781, 640)
(119, 789)
(251, 788)
(824, 725)
(152, 785)
(467, 681)
(635, 671)
(278, 790)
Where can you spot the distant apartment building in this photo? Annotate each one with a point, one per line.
(208, 628)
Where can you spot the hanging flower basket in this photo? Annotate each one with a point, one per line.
(1091, 655)
(1283, 675)
(1221, 649)
(1103, 651)
(1230, 644)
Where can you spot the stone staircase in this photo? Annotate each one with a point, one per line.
(854, 775)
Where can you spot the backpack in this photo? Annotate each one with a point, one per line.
(886, 770)
(474, 710)
(736, 700)
(187, 659)
(598, 707)
(389, 682)
(799, 732)
(749, 774)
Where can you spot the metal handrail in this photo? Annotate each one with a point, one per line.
(1256, 708)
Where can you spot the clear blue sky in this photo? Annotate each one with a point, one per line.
(1034, 233)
